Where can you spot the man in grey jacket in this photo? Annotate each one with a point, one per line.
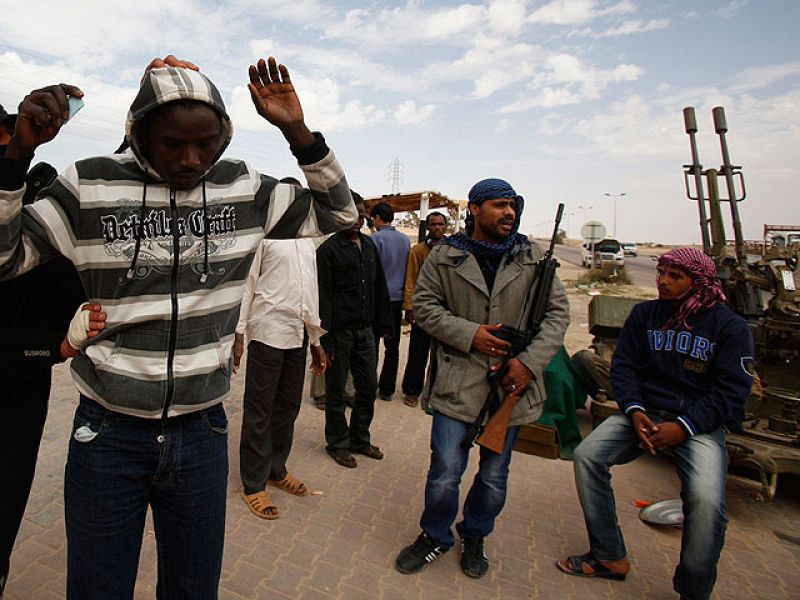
(469, 286)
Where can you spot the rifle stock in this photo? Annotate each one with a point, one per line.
(493, 436)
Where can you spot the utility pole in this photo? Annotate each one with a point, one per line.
(615, 196)
(395, 174)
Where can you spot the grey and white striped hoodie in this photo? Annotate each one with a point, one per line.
(168, 266)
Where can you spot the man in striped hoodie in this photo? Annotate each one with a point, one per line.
(162, 236)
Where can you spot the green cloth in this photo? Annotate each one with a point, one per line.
(565, 394)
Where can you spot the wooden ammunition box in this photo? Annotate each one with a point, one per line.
(539, 440)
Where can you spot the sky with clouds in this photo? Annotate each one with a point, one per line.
(569, 100)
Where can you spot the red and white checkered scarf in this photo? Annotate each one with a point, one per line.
(706, 290)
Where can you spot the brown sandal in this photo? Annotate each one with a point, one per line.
(290, 484)
(261, 505)
(410, 400)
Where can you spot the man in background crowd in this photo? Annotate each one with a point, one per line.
(280, 313)
(354, 307)
(393, 247)
(35, 312)
(420, 343)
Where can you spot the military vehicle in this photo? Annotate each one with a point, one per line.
(765, 292)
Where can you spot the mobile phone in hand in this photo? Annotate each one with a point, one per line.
(75, 104)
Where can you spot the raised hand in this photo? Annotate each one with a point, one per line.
(275, 99)
(40, 117)
(169, 61)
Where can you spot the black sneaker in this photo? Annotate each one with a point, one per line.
(423, 551)
(474, 562)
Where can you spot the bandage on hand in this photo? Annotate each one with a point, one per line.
(88, 321)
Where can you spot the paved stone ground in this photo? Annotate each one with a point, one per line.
(342, 544)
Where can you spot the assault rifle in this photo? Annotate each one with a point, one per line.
(493, 435)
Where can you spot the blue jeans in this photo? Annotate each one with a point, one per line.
(487, 495)
(702, 466)
(119, 465)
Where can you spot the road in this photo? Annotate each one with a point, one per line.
(641, 269)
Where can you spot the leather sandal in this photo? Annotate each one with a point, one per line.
(290, 484)
(573, 565)
(261, 505)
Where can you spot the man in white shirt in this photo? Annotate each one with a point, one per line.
(280, 313)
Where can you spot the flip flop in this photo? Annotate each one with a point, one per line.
(261, 505)
(574, 566)
(290, 484)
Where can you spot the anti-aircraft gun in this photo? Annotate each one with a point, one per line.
(765, 291)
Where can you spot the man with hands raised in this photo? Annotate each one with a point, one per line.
(163, 236)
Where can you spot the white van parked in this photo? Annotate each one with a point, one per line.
(604, 251)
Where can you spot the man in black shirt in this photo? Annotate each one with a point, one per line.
(35, 311)
(354, 308)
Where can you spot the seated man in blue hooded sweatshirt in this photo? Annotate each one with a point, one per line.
(163, 236)
(681, 373)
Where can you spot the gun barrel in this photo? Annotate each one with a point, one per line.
(559, 215)
(696, 170)
(720, 123)
(689, 121)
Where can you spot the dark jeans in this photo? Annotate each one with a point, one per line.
(391, 352)
(487, 495)
(419, 347)
(24, 409)
(119, 465)
(272, 393)
(702, 464)
(354, 351)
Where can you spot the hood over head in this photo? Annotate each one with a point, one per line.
(171, 84)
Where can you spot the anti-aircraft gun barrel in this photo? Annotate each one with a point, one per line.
(728, 171)
(696, 170)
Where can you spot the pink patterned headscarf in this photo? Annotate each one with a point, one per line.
(706, 290)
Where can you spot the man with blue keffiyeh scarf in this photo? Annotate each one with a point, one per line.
(472, 284)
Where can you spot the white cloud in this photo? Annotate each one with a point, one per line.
(491, 64)
(323, 107)
(407, 24)
(576, 12)
(633, 26)
(507, 17)
(764, 76)
(502, 125)
(349, 65)
(565, 79)
(408, 113)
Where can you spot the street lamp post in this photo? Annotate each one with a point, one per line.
(585, 209)
(615, 196)
(569, 221)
